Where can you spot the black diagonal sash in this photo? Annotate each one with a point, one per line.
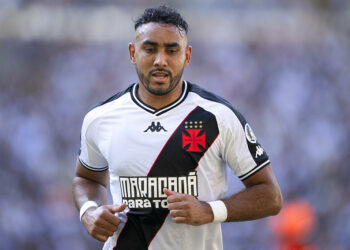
(175, 159)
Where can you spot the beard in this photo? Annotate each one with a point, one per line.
(174, 81)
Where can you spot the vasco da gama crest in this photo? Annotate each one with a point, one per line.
(193, 138)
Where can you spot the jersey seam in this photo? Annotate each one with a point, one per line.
(254, 170)
(92, 168)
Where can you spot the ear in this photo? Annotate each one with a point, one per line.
(132, 53)
(188, 55)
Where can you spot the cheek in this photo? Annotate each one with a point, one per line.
(181, 62)
(144, 60)
(182, 58)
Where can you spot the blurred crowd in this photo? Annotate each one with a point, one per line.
(294, 94)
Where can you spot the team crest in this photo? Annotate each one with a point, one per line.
(193, 138)
(249, 133)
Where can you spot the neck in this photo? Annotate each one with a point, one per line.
(158, 102)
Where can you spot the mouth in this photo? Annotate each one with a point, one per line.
(160, 76)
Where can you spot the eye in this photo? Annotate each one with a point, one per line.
(172, 51)
(149, 49)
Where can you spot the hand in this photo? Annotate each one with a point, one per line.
(187, 209)
(102, 222)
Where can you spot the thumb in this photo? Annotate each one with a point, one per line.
(169, 192)
(116, 208)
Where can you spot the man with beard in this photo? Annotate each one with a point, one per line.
(163, 145)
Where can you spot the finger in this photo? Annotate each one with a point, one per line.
(100, 237)
(179, 220)
(111, 218)
(107, 225)
(176, 198)
(101, 233)
(176, 205)
(116, 208)
(178, 213)
(169, 192)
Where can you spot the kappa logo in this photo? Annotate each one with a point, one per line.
(155, 128)
(193, 139)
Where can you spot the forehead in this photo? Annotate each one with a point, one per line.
(160, 33)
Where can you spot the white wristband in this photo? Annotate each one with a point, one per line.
(219, 210)
(86, 206)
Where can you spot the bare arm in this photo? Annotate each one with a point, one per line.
(261, 197)
(100, 222)
(89, 185)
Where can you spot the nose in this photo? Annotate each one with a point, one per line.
(160, 60)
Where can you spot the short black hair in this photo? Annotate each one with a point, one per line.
(162, 14)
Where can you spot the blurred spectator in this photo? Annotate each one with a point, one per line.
(294, 226)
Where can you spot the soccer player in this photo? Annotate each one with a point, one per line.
(163, 144)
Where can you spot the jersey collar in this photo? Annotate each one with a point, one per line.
(158, 112)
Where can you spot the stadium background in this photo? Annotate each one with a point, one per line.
(284, 64)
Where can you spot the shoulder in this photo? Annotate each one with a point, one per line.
(102, 108)
(113, 97)
(221, 108)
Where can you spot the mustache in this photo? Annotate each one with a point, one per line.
(159, 70)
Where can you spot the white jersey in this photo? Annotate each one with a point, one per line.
(184, 147)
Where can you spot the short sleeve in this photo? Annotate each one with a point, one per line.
(242, 151)
(90, 155)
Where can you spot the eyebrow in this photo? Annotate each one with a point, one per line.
(167, 45)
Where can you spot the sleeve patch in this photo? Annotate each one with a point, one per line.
(249, 134)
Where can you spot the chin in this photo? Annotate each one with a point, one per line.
(156, 83)
(159, 91)
(161, 86)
